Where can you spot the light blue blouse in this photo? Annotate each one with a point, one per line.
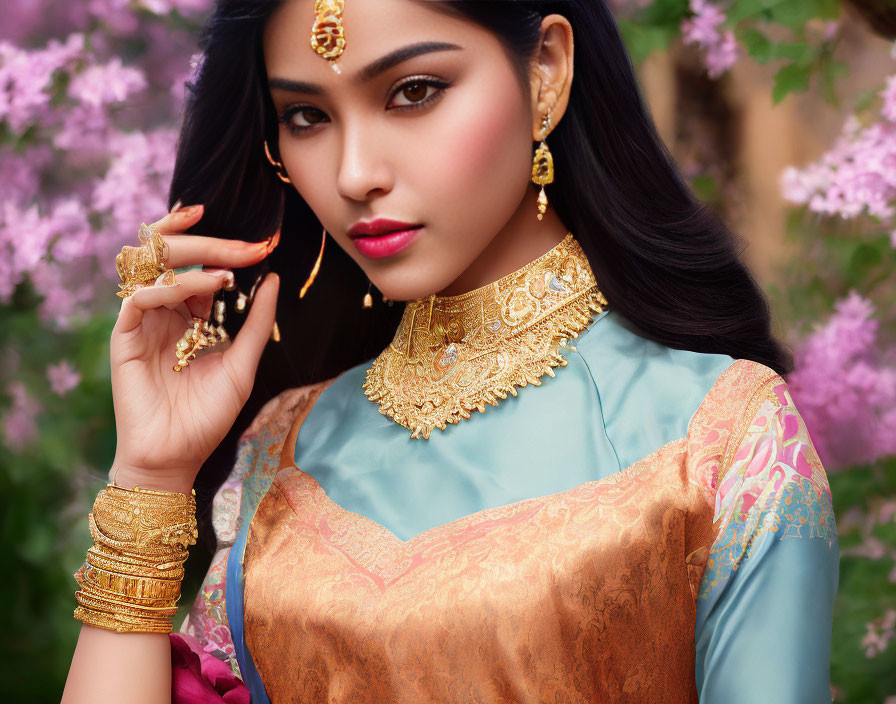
(763, 624)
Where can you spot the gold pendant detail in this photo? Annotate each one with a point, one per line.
(455, 354)
(542, 174)
(328, 34)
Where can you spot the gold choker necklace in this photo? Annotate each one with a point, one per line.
(454, 354)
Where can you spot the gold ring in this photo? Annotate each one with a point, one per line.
(143, 265)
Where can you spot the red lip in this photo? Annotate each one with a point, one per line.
(380, 226)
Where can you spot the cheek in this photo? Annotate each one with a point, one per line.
(480, 151)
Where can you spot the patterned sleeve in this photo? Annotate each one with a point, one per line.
(206, 622)
(207, 619)
(764, 605)
(204, 640)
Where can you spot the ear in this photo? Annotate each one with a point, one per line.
(551, 74)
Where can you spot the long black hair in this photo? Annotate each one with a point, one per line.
(665, 261)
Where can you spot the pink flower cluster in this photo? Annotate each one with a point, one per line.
(704, 29)
(845, 387)
(20, 420)
(63, 377)
(858, 174)
(86, 153)
(878, 633)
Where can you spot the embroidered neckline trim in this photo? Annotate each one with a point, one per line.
(453, 354)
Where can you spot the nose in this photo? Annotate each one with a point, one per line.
(363, 167)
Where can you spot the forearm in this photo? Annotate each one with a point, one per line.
(119, 667)
(130, 582)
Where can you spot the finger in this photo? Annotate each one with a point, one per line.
(188, 250)
(179, 219)
(190, 283)
(244, 353)
(200, 306)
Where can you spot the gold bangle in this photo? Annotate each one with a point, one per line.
(144, 521)
(90, 599)
(131, 577)
(133, 567)
(131, 587)
(120, 623)
(111, 601)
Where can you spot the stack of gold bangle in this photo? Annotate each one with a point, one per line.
(130, 581)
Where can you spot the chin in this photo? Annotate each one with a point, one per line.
(407, 288)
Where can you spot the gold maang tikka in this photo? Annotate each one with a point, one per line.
(328, 34)
(543, 165)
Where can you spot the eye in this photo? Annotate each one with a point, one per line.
(298, 118)
(416, 91)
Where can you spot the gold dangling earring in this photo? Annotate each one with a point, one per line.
(368, 299)
(543, 166)
(316, 267)
(278, 167)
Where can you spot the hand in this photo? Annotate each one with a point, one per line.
(168, 422)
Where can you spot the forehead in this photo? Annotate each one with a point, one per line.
(372, 29)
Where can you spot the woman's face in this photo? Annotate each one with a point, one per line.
(441, 139)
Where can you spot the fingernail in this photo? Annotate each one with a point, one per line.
(176, 206)
(217, 271)
(273, 241)
(190, 211)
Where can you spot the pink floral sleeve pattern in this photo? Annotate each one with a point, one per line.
(207, 619)
(774, 485)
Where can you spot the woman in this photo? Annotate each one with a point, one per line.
(637, 512)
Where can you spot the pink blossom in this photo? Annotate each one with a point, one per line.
(25, 78)
(118, 15)
(844, 389)
(133, 186)
(878, 633)
(19, 422)
(107, 83)
(162, 7)
(830, 30)
(703, 28)
(63, 377)
(857, 175)
(722, 55)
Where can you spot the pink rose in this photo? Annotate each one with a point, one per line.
(198, 677)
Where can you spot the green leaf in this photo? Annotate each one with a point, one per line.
(743, 9)
(792, 78)
(705, 188)
(795, 14)
(757, 44)
(761, 48)
(829, 72)
(865, 100)
(644, 39)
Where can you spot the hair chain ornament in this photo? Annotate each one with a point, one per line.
(328, 34)
(207, 333)
(455, 354)
(543, 165)
(201, 336)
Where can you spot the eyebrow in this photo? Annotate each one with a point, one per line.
(372, 70)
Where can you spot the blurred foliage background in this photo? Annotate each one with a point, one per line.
(782, 114)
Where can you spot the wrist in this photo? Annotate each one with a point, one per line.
(127, 476)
